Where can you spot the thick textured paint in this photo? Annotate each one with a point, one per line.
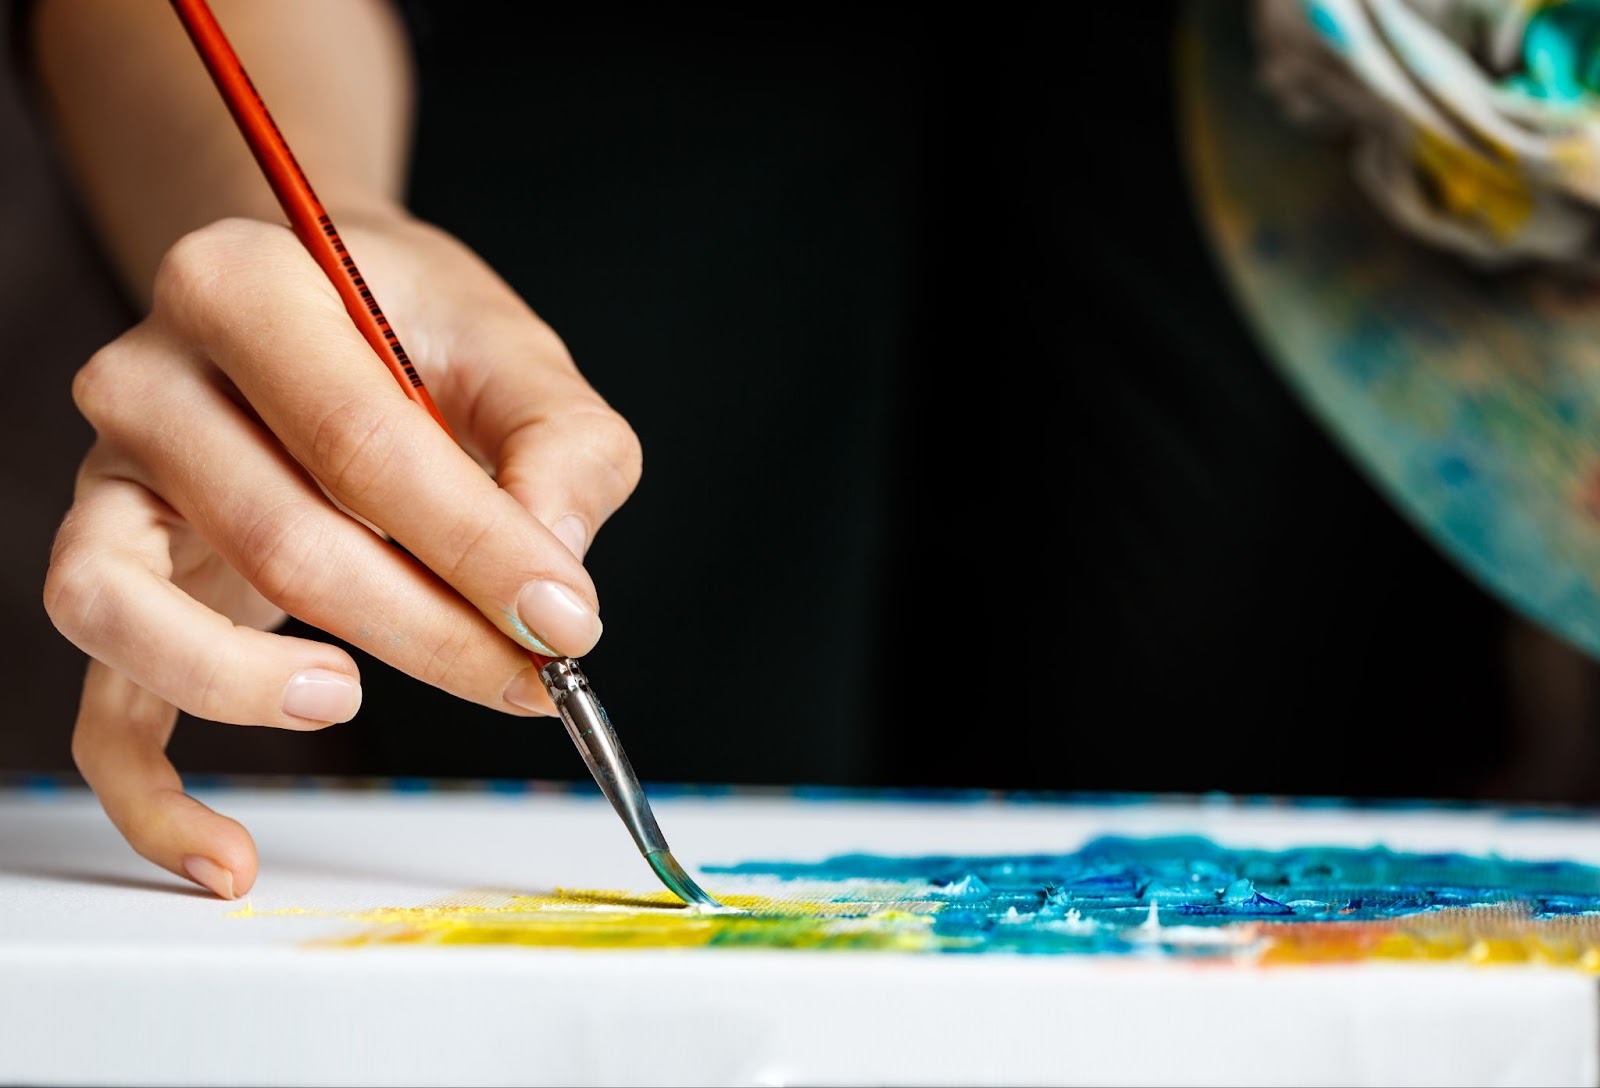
(1561, 54)
(1179, 897)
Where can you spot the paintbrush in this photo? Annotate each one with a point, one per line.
(569, 689)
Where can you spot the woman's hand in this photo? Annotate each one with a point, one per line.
(252, 454)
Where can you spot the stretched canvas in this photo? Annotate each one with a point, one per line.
(511, 934)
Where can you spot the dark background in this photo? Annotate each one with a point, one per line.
(961, 468)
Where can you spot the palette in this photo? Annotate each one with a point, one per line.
(1469, 399)
(508, 933)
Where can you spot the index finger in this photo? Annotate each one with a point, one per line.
(279, 331)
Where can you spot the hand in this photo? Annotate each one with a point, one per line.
(251, 456)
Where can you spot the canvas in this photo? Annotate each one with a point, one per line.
(510, 933)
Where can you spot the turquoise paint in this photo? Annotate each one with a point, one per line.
(1121, 895)
(1323, 21)
(533, 640)
(1561, 51)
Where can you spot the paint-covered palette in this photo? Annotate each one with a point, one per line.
(513, 935)
(1471, 399)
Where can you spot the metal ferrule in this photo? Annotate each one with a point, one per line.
(591, 731)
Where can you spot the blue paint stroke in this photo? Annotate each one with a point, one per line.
(1119, 894)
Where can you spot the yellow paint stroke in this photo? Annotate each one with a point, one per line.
(1472, 186)
(618, 919)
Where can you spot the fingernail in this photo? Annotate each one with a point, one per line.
(556, 620)
(208, 874)
(321, 695)
(570, 531)
(528, 691)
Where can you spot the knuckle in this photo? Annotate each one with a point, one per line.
(204, 687)
(353, 449)
(445, 662)
(107, 388)
(615, 444)
(193, 273)
(279, 553)
(198, 680)
(74, 590)
(91, 756)
(471, 538)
